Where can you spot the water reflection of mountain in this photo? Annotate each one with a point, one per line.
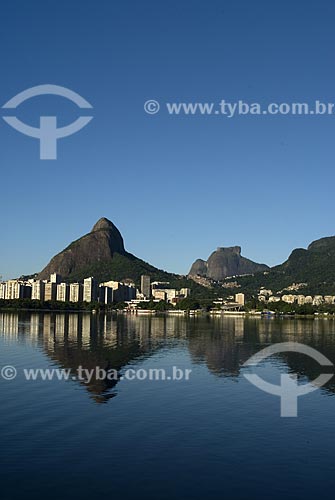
(115, 341)
(85, 340)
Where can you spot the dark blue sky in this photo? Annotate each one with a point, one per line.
(177, 187)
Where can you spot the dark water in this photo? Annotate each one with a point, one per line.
(213, 436)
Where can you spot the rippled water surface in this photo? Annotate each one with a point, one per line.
(212, 436)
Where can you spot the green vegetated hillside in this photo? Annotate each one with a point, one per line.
(314, 266)
(127, 266)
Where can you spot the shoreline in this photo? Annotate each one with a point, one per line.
(177, 313)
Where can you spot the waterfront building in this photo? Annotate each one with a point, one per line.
(90, 290)
(50, 291)
(159, 294)
(11, 290)
(37, 290)
(16, 289)
(106, 294)
(2, 290)
(301, 300)
(171, 294)
(240, 299)
(289, 299)
(55, 278)
(145, 286)
(76, 292)
(121, 291)
(62, 292)
(318, 300)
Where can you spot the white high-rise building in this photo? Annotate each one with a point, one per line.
(17, 290)
(62, 292)
(12, 290)
(90, 290)
(50, 291)
(2, 290)
(76, 292)
(55, 278)
(240, 299)
(37, 290)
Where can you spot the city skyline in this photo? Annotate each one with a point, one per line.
(89, 289)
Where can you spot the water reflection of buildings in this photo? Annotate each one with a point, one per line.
(9, 325)
(219, 344)
(114, 341)
(229, 342)
(93, 340)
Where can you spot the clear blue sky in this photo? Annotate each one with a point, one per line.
(176, 187)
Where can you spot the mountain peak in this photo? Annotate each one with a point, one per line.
(101, 253)
(225, 261)
(103, 223)
(235, 249)
(322, 244)
(97, 247)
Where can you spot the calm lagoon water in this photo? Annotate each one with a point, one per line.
(213, 436)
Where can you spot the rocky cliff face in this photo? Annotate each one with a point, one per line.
(101, 254)
(97, 246)
(225, 262)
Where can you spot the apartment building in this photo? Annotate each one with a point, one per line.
(145, 286)
(76, 292)
(62, 292)
(37, 290)
(50, 291)
(90, 290)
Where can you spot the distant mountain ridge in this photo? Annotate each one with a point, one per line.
(224, 262)
(314, 266)
(101, 253)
